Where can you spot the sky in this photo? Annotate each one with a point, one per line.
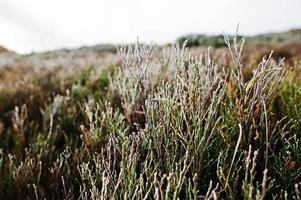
(39, 25)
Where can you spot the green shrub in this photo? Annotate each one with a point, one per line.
(202, 40)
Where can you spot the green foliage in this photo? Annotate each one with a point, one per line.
(203, 40)
(79, 92)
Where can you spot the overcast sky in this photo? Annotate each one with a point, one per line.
(38, 25)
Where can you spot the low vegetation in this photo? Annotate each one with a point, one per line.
(161, 123)
(194, 40)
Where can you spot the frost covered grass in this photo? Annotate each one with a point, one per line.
(164, 124)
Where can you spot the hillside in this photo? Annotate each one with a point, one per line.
(285, 44)
(288, 37)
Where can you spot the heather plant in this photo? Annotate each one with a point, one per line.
(164, 124)
(178, 140)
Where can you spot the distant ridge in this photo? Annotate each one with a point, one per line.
(293, 35)
(191, 40)
(3, 49)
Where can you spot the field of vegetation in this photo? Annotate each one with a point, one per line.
(154, 122)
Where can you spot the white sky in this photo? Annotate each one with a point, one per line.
(38, 25)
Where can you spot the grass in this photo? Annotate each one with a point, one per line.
(163, 124)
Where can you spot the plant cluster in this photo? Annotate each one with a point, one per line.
(173, 126)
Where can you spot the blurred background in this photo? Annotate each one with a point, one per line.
(34, 25)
